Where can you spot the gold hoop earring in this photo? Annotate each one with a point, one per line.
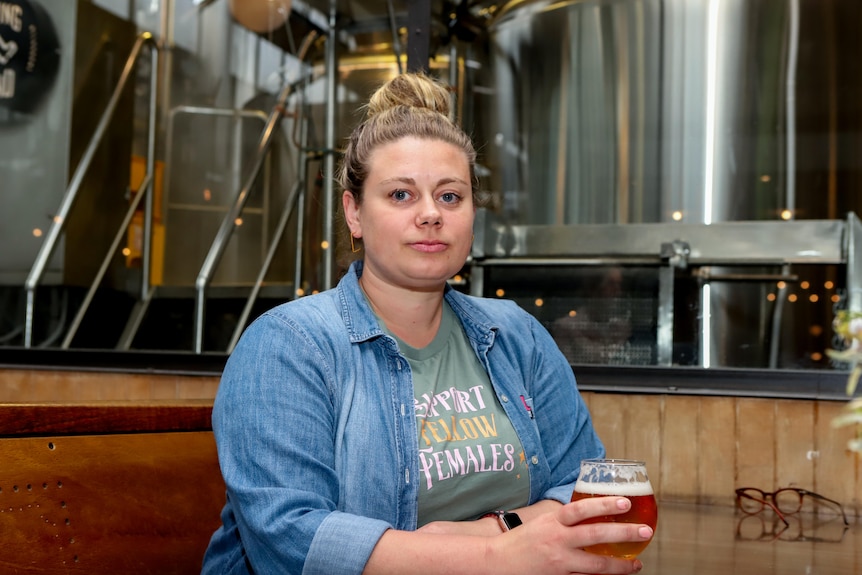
(353, 247)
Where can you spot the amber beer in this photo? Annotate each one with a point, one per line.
(600, 478)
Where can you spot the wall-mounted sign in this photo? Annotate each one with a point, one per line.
(29, 54)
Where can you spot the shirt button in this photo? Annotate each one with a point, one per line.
(535, 460)
(504, 398)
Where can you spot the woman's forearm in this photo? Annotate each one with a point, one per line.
(423, 553)
(489, 526)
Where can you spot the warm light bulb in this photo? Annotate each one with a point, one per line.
(260, 15)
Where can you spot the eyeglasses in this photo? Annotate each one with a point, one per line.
(785, 501)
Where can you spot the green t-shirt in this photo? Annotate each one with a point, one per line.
(471, 461)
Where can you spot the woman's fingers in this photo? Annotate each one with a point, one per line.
(577, 511)
(603, 530)
(595, 533)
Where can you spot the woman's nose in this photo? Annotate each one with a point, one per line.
(429, 212)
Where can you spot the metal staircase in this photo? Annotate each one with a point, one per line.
(174, 317)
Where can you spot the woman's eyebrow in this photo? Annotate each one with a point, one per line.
(412, 182)
(399, 180)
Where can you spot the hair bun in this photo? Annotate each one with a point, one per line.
(414, 90)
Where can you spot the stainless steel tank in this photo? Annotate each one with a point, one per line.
(692, 111)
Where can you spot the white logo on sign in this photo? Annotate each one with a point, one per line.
(7, 50)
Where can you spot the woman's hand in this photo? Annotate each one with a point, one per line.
(553, 543)
(550, 542)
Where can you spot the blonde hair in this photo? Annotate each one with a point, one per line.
(408, 105)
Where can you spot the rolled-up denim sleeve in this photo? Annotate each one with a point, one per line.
(274, 421)
(342, 543)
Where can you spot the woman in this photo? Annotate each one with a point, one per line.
(377, 427)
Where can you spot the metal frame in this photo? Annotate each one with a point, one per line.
(671, 246)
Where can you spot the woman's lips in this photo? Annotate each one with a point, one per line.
(429, 247)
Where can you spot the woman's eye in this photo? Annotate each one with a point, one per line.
(400, 195)
(450, 198)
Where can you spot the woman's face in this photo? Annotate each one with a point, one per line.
(416, 215)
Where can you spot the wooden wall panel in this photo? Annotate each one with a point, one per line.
(643, 434)
(697, 448)
(680, 449)
(717, 450)
(794, 444)
(608, 421)
(705, 447)
(102, 389)
(837, 468)
(17, 386)
(755, 446)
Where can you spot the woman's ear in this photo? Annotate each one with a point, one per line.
(351, 213)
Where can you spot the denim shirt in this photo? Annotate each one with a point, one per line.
(316, 431)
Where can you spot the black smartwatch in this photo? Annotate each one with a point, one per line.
(507, 519)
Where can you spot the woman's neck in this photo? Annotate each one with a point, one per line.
(413, 316)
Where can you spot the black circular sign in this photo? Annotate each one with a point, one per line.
(29, 54)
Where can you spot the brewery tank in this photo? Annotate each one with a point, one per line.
(665, 111)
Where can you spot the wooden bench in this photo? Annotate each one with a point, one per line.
(107, 487)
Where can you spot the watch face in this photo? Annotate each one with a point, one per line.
(511, 520)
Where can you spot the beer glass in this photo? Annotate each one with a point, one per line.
(625, 477)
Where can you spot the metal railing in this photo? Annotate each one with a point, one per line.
(229, 222)
(237, 115)
(58, 223)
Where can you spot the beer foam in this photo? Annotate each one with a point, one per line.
(622, 489)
